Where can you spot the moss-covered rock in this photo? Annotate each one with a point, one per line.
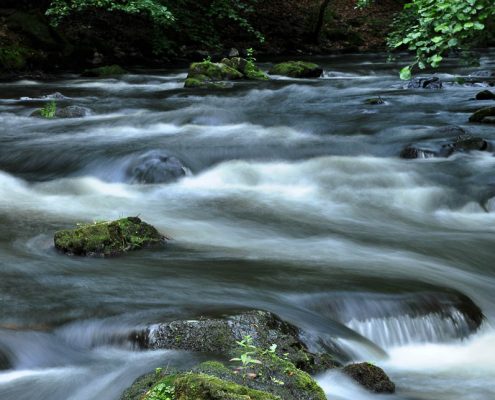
(108, 238)
(297, 69)
(371, 377)
(270, 378)
(483, 115)
(208, 387)
(221, 336)
(210, 75)
(247, 68)
(105, 72)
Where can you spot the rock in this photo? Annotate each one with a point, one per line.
(207, 74)
(238, 63)
(233, 53)
(481, 115)
(482, 74)
(4, 361)
(54, 96)
(432, 82)
(485, 95)
(297, 69)
(371, 377)
(64, 112)
(374, 101)
(104, 72)
(156, 167)
(108, 238)
(247, 68)
(221, 336)
(72, 112)
(465, 143)
(268, 378)
(411, 152)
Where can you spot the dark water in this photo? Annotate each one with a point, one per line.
(295, 201)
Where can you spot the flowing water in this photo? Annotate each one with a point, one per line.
(294, 201)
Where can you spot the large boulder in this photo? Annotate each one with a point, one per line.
(221, 336)
(207, 74)
(264, 377)
(108, 238)
(370, 376)
(484, 115)
(430, 82)
(297, 69)
(156, 167)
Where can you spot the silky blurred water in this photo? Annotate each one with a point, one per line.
(294, 201)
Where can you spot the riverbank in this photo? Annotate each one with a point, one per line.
(30, 46)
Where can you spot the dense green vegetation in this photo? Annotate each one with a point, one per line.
(145, 31)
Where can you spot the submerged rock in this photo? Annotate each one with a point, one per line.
(63, 112)
(297, 69)
(4, 361)
(371, 377)
(483, 115)
(412, 152)
(104, 72)
(431, 82)
(221, 336)
(485, 95)
(374, 101)
(156, 167)
(108, 238)
(207, 74)
(463, 143)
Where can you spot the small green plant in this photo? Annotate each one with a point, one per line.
(245, 358)
(250, 55)
(207, 59)
(162, 391)
(49, 110)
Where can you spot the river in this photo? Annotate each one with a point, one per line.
(295, 201)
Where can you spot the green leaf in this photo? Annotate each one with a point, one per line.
(405, 73)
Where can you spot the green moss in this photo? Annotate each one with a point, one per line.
(214, 71)
(13, 57)
(105, 72)
(251, 71)
(207, 387)
(209, 75)
(296, 69)
(293, 376)
(108, 238)
(164, 389)
(480, 115)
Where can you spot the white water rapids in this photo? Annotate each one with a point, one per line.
(294, 200)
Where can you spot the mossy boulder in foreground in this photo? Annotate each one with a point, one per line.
(297, 69)
(271, 378)
(108, 238)
(221, 336)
